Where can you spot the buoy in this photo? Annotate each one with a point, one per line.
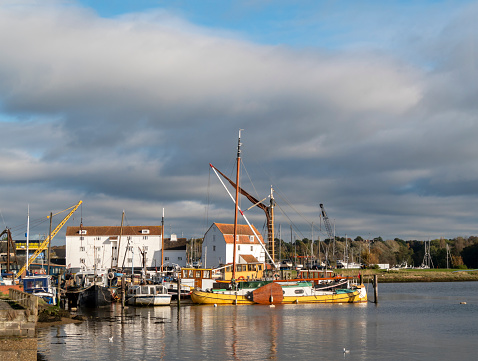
(272, 305)
(215, 305)
(346, 351)
(462, 303)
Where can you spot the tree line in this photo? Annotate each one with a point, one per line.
(459, 252)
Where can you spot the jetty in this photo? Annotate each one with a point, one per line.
(18, 319)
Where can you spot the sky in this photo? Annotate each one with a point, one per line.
(369, 107)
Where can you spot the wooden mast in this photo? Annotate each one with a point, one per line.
(237, 206)
(271, 226)
(162, 241)
(119, 244)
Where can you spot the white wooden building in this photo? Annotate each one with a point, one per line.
(105, 248)
(218, 245)
(175, 251)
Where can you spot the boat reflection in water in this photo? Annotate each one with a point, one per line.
(388, 331)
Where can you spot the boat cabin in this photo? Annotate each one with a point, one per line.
(197, 277)
(41, 286)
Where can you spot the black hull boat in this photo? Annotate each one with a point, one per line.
(94, 296)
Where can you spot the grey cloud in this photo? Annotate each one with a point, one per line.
(127, 113)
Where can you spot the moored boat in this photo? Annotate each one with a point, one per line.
(91, 289)
(41, 286)
(148, 295)
(279, 292)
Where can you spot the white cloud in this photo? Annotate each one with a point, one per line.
(128, 112)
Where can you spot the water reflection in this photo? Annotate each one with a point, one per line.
(387, 331)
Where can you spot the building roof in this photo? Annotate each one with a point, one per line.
(114, 231)
(179, 245)
(60, 251)
(248, 258)
(243, 230)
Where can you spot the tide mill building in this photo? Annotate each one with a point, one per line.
(121, 247)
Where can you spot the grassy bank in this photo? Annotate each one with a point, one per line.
(415, 275)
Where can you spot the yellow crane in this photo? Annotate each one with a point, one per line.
(47, 240)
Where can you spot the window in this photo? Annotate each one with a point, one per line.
(98, 248)
(214, 238)
(97, 238)
(180, 258)
(82, 238)
(82, 260)
(130, 248)
(82, 249)
(214, 248)
(299, 291)
(252, 248)
(251, 238)
(166, 258)
(145, 237)
(145, 248)
(239, 247)
(130, 260)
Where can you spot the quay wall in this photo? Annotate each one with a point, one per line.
(17, 327)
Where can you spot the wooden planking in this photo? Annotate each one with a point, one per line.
(270, 293)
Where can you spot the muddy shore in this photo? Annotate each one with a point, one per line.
(415, 275)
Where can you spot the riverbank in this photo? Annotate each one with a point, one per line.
(415, 275)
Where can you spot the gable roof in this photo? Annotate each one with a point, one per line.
(244, 232)
(179, 245)
(114, 231)
(248, 258)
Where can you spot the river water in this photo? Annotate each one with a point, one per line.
(412, 321)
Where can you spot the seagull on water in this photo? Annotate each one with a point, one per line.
(111, 339)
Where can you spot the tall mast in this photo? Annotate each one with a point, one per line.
(271, 226)
(49, 245)
(28, 236)
(237, 205)
(119, 244)
(162, 241)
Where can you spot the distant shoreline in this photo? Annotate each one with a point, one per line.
(415, 275)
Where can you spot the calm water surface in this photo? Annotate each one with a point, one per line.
(413, 321)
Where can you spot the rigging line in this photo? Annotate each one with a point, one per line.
(208, 200)
(291, 223)
(4, 224)
(301, 215)
(290, 205)
(250, 180)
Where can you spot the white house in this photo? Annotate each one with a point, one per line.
(105, 248)
(175, 251)
(218, 245)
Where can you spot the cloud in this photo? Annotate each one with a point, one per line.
(127, 113)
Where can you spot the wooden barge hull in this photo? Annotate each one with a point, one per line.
(357, 295)
(212, 298)
(350, 297)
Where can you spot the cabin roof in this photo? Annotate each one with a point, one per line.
(248, 258)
